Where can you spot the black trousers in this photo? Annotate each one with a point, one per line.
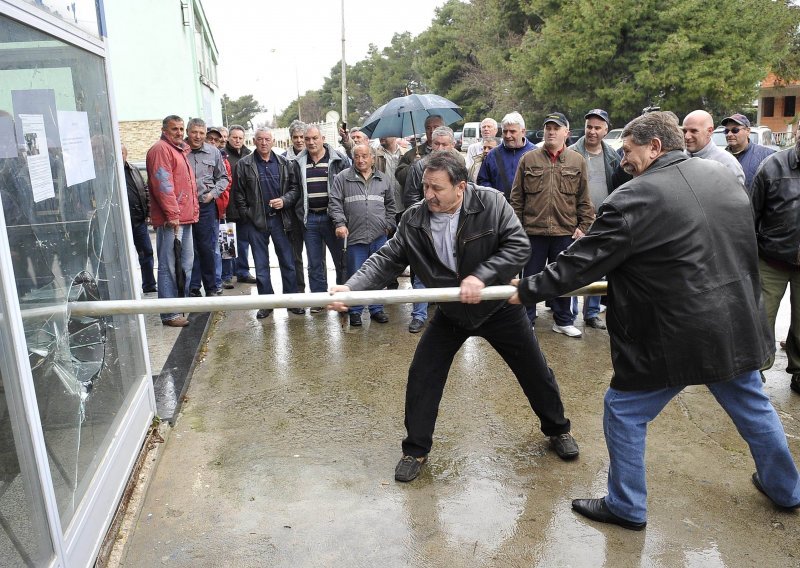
(509, 332)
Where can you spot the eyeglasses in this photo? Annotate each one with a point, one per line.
(734, 130)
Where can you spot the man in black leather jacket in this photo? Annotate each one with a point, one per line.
(678, 246)
(775, 196)
(468, 236)
(262, 181)
(139, 206)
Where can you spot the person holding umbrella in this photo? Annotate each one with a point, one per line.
(173, 210)
(362, 210)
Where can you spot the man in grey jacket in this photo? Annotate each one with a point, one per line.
(212, 181)
(361, 207)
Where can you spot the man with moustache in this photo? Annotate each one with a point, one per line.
(678, 247)
(497, 250)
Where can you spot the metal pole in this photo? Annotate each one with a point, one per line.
(253, 302)
(344, 74)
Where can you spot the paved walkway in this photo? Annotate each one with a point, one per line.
(284, 451)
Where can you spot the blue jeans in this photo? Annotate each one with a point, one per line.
(418, 311)
(356, 256)
(144, 248)
(259, 242)
(227, 268)
(625, 420)
(206, 242)
(318, 234)
(543, 251)
(591, 306)
(242, 265)
(165, 242)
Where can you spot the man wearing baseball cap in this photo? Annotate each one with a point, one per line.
(601, 161)
(749, 154)
(550, 196)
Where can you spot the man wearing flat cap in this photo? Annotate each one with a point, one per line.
(550, 196)
(601, 161)
(749, 154)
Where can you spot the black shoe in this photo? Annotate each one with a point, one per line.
(298, 311)
(355, 320)
(565, 446)
(757, 482)
(595, 322)
(263, 313)
(416, 325)
(249, 279)
(150, 290)
(408, 468)
(597, 510)
(227, 284)
(379, 317)
(195, 293)
(795, 384)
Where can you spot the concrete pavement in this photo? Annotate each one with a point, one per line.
(284, 451)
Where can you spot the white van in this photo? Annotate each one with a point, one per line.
(471, 134)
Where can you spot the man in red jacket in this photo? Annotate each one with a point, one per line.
(173, 209)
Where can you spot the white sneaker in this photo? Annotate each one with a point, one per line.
(568, 330)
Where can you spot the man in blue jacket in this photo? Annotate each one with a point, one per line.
(750, 155)
(500, 165)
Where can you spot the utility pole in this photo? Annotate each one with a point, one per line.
(344, 74)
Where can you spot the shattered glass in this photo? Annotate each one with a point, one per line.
(68, 247)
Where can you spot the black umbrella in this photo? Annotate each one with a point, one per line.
(180, 274)
(405, 116)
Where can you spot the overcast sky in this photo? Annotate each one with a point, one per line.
(273, 49)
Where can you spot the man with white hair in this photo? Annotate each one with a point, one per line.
(500, 165)
(697, 128)
(488, 130)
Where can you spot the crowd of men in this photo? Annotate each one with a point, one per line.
(694, 251)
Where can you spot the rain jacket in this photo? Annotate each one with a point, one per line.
(173, 192)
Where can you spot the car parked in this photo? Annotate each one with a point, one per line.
(614, 138)
(758, 135)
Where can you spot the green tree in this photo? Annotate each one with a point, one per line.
(678, 54)
(240, 111)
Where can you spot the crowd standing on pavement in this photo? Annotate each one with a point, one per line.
(686, 232)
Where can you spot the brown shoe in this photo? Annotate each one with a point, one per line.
(177, 322)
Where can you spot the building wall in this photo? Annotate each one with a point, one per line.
(138, 136)
(154, 64)
(771, 87)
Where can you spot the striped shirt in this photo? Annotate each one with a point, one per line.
(317, 182)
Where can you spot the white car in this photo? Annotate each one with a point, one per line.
(758, 135)
(614, 138)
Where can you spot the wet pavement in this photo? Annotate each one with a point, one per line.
(284, 450)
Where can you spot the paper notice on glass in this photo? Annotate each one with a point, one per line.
(38, 158)
(76, 146)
